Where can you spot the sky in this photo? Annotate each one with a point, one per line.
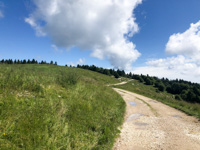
(156, 37)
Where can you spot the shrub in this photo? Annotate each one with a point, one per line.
(177, 97)
(161, 87)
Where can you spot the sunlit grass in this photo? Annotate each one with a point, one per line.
(52, 107)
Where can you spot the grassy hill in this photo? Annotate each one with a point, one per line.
(164, 97)
(53, 107)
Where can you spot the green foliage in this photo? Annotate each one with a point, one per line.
(160, 86)
(141, 79)
(177, 97)
(33, 61)
(52, 107)
(116, 75)
(148, 81)
(188, 91)
(109, 72)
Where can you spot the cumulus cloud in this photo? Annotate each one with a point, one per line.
(81, 61)
(172, 67)
(56, 49)
(102, 26)
(186, 65)
(186, 43)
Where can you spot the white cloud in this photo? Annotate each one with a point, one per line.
(81, 61)
(56, 49)
(172, 67)
(186, 65)
(102, 26)
(39, 30)
(186, 43)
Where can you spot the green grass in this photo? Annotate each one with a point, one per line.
(53, 107)
(164, 97)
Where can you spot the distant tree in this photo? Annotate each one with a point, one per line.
(140, 79)
(51, 62)
(24, 61)
(130, 75)
(111, 71)
(10, 61)
(93, 68)
(191, 96)
(161, 87)
(28, 62)
(106, 72)
(184, 94)
(55, 63)
(196, 90)
(148, 81)
(33, 61)
(116, 75)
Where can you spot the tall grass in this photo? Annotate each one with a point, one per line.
(52, 107)
(166, 98)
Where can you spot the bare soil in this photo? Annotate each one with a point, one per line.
(150, 124)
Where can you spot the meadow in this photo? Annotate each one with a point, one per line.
(54, 107)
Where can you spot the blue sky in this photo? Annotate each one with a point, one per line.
(158, 19)
(83, 41)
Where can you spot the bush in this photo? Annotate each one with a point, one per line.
(177, 97)
(140, 79)
(148, 81)
(161, 87)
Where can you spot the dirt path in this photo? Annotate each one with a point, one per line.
(124, 82)
(152, 125)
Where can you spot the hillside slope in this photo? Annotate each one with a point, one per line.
(52, 107)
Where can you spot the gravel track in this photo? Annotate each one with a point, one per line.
(150, 124)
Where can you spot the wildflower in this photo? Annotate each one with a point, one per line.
(4, 133)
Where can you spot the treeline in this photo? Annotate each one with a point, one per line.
(183, 90)
(110, 72)
(33, 61)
